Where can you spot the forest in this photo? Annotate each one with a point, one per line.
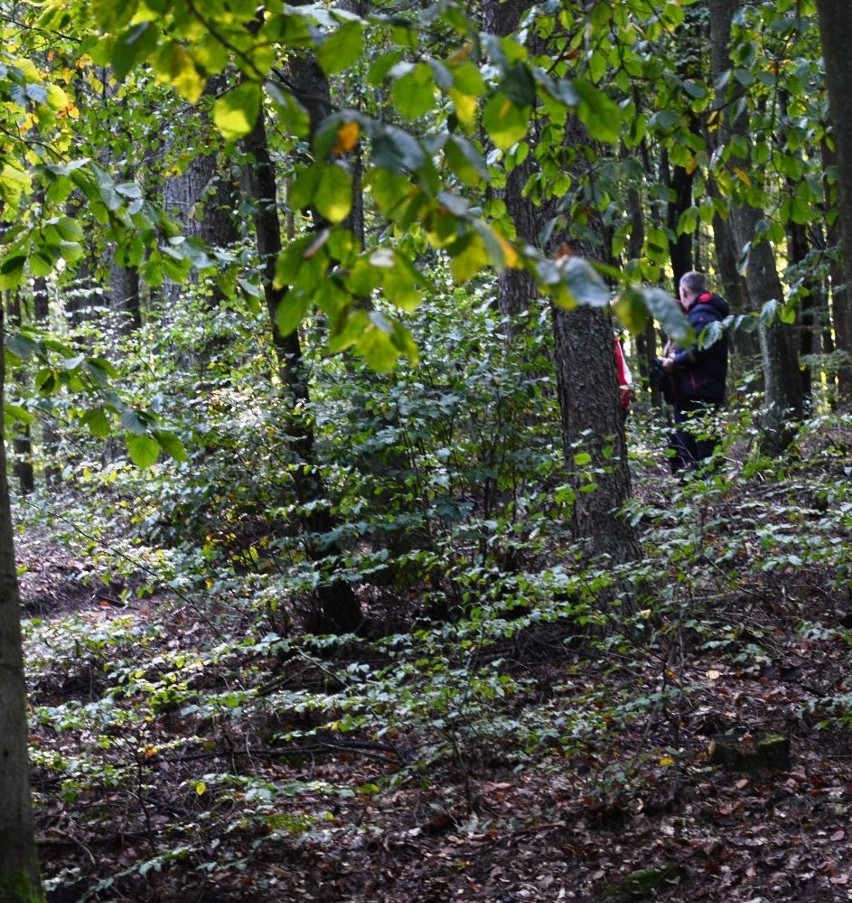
(338, 559)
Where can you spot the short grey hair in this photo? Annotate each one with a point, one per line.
(694, 282)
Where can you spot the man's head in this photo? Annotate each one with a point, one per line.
(692, 285)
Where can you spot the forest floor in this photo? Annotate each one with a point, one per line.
(733, 782)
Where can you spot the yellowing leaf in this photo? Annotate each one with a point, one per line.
(743, 176)
(333, 198)
(236, 112)
(174, 65)
(510, 255)
(465, 106)
(347, 138)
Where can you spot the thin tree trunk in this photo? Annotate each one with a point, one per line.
(49, 438)
(798, 249)
(339, 607)
(22, 442)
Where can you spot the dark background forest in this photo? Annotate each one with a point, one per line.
(330, 565)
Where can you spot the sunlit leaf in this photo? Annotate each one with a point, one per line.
(583, 282)
(171, 444)
(333, 198)
(236, 112)
(505, 122)
(174, 65)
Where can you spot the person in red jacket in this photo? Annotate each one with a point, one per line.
(697, 375)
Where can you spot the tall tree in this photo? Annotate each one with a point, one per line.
(339, 608)
(19, 874)
(782, 378)
(592, 424)
(835, 27)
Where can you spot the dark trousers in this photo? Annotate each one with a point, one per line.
(691, 444)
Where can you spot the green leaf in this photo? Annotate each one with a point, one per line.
(289, 263)
(505, 122)
(333, 197)
(236, 112)
(12, 271)
(170, 444)
(111, 15)
(599, 114)
(100, 370)
(135, 422)
(133, 46)
(583, 283)
(468, 257)
(173, 65)
(631, 310)
(396, 150)
(342, 49)
(304, 187)
(668, 314)
(291, 311)
(293, 118)
(519, 86)
(22, 346)
(466, 161)
(97, 422)
(413, 92)
(14, 413)
(388, 189)
(142, 450)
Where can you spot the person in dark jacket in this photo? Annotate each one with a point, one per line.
(697, 376)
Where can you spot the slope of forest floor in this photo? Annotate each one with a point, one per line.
(177, 756)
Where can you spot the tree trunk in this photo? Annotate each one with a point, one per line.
(798, 248)
(680, 183)
(515, 288)
(835, 26)
(19, 874)
(782, 378)
(593, 436)
(781, 373)
(339, 608)
(203, 198)
(124, 295)
(745, 346)
(592, 419)
(22, 442)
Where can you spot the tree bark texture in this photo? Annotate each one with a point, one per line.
(744, 345)
(203, 197)
(781, 374)
(593, 426)
(19, 874)
(22, 440)
(516, 289)
(835, 24)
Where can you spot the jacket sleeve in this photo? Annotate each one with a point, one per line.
(687, 358)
